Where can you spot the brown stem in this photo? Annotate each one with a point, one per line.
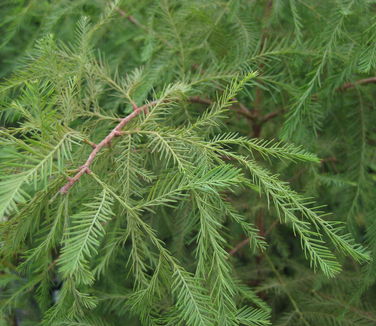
(269, 116)
(200, 100)
(256, 130)
(364, 81)
(244, 242)
(258, 123)
(238, 107)
(105, 142)
(135, 22)
(243, 110)
(86, 141)
(239, 246)
(14, 320)
(253, 116)
(131, 18)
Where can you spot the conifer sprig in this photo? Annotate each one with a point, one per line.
(175, 110)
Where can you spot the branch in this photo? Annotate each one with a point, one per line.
(243, 110)
(237, 107)
(240, 245)
(200, 100)
(253, 116)
(137, 23)
(358, 82)
(269, 116)
(244, 242)
(131, 18)
(106, 141)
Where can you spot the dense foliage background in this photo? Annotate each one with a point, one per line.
(239, 191)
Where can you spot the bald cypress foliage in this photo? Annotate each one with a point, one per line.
(198, 163)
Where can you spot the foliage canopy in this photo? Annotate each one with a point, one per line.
(192, 163)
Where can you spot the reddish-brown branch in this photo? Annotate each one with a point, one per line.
(364, 81)
(269, 116)
(200, 100)
(239, 246)
(238, 107)
(137, 23)
(243, 110)
(244, 242)
(131, 18)
(253, 116)
(258, 123)
(105, 142)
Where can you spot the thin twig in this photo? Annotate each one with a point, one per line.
(269, 116)
(237, 107)
(135, 22)
(200, 100)
(364, 81)
(86, 141)
(244, 242)
(243, 110)
(253, 116)
(239, 246)
(105, 142)
(131, 18)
